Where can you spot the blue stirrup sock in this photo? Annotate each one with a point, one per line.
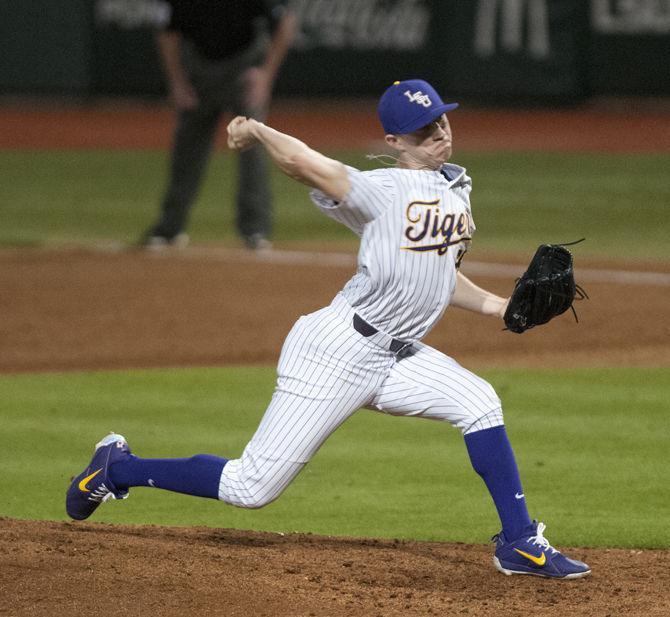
(492, 458)
(198, 475)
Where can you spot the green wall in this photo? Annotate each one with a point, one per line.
(45, 47)
(492, 50)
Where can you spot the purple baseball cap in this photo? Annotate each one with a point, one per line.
(409, 105)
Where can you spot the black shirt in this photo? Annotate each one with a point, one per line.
(221, 28)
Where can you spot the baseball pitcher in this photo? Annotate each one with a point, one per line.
(364, 350)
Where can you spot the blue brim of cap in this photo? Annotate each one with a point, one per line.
(428, 117)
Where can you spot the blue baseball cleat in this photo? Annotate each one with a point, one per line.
(532, 554)
(93, 486)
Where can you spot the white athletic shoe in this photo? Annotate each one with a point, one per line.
(257, 242)
(161, 243)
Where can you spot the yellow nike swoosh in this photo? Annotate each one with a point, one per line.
(540, 561)
(85, 481)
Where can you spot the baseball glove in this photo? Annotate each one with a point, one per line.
(546, 289)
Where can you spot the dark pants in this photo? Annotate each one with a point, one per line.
(220, 90)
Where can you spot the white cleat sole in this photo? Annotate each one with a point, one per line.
(507, 572)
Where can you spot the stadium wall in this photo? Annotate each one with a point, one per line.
(489, 50)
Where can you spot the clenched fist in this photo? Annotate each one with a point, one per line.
(240, 133)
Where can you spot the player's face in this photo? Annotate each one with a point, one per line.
(429, 147)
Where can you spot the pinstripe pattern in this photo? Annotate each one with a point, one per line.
(402, 292)
(428, 384)
(327, 370)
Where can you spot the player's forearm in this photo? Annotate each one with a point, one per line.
(286, 151)
(297, 160)
(472, 298)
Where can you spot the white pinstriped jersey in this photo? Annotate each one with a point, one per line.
(415, 226)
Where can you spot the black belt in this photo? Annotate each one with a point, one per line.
(365, 329)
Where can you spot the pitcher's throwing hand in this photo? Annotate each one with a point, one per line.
(240, 135)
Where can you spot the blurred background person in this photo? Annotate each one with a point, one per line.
(219, 57)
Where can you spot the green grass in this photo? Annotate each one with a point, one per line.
(618, 202)
(592, 446)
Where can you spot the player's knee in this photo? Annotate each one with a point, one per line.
(254, 481)
(487, 413)
(255, 502)
(482, 421)
(490, 394)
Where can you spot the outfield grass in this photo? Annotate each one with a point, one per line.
(618, 202)
(592, 446)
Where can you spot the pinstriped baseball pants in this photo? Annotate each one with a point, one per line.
(327, 371)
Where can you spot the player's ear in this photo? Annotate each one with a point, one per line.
(394, 142)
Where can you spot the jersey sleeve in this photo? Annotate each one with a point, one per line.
(371, 193)
(464, 189)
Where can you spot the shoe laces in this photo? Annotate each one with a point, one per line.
(539, 539)
(101, 494)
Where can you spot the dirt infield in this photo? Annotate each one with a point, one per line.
(85, 309)
(344, 125)
(88, 309)
(53, 569)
